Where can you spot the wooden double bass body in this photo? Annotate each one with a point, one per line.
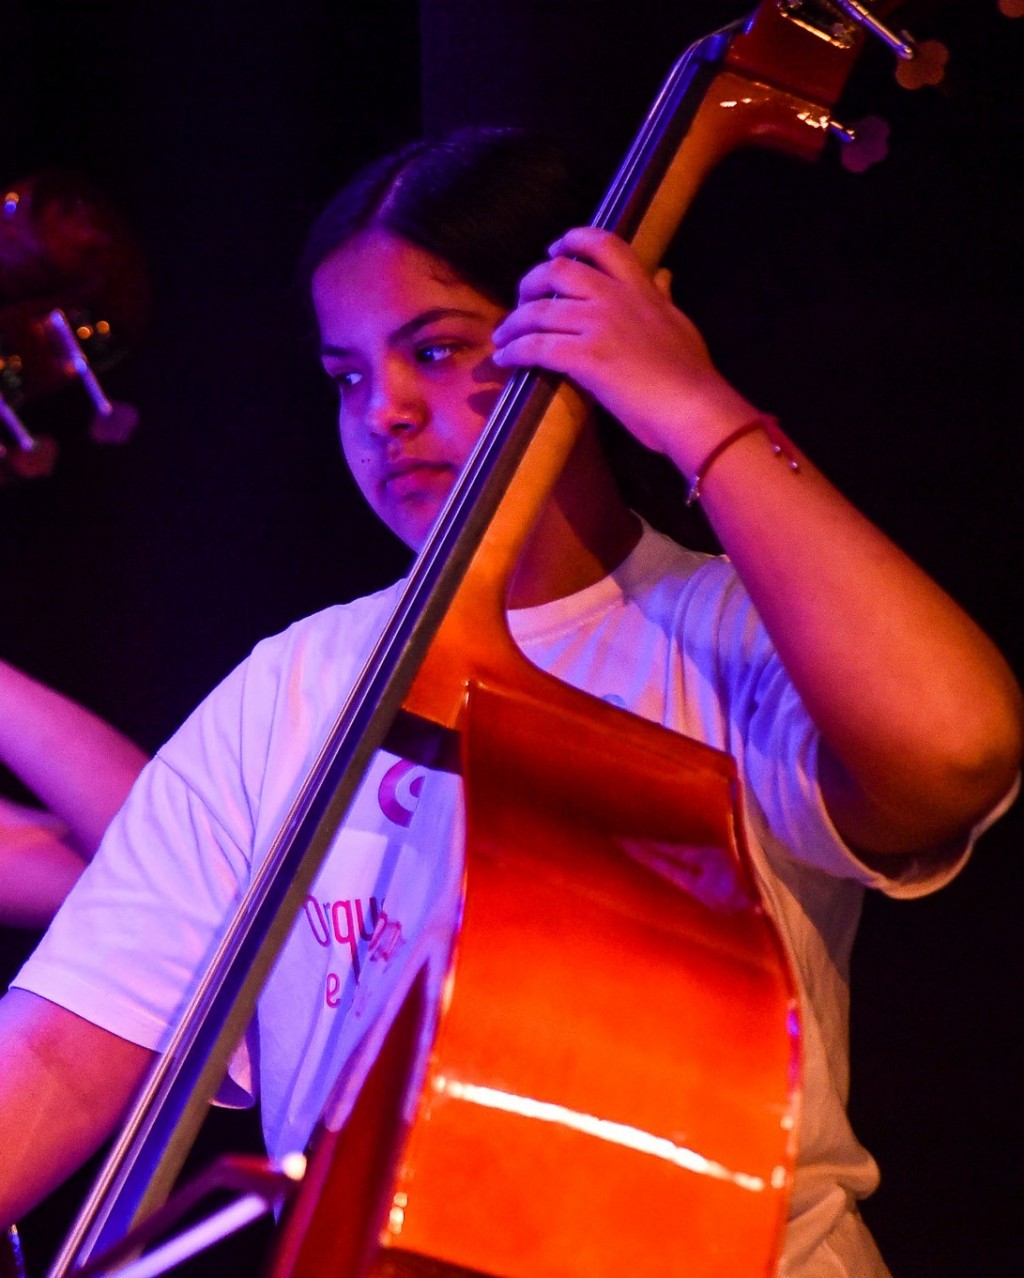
(605, 1054)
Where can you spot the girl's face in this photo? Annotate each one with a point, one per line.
(408, 346)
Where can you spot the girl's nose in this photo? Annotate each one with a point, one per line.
(395, 408)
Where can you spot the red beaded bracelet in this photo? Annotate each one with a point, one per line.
(781, 447)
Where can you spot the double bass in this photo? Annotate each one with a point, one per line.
(542, 1141)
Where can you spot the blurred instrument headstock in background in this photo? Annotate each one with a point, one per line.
(74, 298)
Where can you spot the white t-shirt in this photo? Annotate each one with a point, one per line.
(670, 635)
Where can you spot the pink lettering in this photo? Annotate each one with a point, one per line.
(365, 933)
(345, 935)
(355, 924)
(317, 921)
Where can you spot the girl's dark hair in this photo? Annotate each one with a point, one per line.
(487, 202)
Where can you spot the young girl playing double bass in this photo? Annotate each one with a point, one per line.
(875, 728)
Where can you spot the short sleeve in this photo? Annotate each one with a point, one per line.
(124, 950)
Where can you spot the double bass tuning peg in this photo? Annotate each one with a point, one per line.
(919, 64)
(864, 143)
(925, 65)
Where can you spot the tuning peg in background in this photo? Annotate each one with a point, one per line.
(28, 457)
(36, 462)
(15, 427)
(113, 423)
(114, 426)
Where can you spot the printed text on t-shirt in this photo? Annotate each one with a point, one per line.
(349, 923)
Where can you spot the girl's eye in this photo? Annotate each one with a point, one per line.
(435, 352)
(347, 380)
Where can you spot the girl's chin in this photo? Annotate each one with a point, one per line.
(412, 525)
(411, 515)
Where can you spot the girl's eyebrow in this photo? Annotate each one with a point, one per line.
(404, 331)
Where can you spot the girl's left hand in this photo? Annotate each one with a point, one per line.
(592, 313)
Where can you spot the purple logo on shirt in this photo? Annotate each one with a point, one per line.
(399, 791)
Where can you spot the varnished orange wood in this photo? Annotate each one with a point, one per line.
(585, 982)
(797, 60)
(597, 1019)
(593, 1009)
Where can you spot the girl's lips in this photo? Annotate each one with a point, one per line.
(406, 478)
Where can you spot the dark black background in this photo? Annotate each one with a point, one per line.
(878, 315)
